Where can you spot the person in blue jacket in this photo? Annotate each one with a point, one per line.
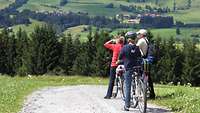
(130, 55)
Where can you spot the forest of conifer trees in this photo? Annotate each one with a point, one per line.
(45, 52)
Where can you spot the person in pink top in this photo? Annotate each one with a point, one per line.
(114, 45)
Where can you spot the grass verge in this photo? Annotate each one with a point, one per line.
(14, 90)
(181, 99)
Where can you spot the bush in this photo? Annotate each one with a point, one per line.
(22, 71)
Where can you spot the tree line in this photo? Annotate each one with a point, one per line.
(44, 52)
(146, 9)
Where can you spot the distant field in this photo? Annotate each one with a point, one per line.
(164, 33)
(28, 28)
(97, 7)
(167, 32)
(189, 16)
(171, 32)
(78, 30)
(5, 3)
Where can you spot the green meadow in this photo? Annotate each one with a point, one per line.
(5, 3)
(97, 7)
(28, 28)
(13, 91)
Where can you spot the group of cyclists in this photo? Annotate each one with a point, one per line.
(128, 50)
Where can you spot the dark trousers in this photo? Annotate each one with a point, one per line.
(151, 89)
(147, 68)
(128, 80)
(111, 82)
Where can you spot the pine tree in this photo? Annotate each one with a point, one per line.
(178, 31)
(45, 50)
(3, 49)
(189, 3)
(156, 2)
(23, 53)
(63, 2)
(68, 54)
(150, 36)
(190, 62)
(174, 6)
(101, 62)
(8, 52)
(167, 61)
(82, 64)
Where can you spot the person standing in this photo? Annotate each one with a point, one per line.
(130, 54)
(143, 44)
(115, 46)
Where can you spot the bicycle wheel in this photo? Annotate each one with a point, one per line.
(115, 88)
(134, 100)
(121, 87)
(141, 94)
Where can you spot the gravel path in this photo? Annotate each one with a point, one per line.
(78, 99)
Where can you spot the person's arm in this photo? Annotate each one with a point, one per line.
(109, 45)
(140, 44)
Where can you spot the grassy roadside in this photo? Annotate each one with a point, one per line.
(182, 99)
(14, 90)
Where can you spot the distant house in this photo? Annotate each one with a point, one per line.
(134, 21)
(147, 20)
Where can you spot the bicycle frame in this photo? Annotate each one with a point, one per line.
(119, 82)
(139, 86)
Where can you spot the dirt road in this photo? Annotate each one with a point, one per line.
(77, 99)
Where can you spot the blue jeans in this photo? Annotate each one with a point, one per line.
(128, 80)
(111, 82)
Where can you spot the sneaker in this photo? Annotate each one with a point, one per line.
(107, 97)
(126, 108)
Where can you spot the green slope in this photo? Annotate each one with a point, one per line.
(28, 28)
(5, 3)
(97, 7)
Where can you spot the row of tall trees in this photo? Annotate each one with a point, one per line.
(44, 52)
(178, 62)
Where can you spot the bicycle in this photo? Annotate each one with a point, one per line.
(140, 87)
(119, 82)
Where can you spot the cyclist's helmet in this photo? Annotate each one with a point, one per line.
(130, 34)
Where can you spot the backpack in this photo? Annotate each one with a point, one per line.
(151, 53)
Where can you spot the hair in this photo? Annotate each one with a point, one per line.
(121, 39)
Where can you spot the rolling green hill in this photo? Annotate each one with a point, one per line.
(164, 33)
(189, 16)
(97, 7)
(28, 28)
(5, 3)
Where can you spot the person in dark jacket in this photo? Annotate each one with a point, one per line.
(130, 55)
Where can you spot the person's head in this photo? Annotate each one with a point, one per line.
(119, 39)
(141, 33)
(130, 36)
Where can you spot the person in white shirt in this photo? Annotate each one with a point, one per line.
(142, 41)
(143, 44)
